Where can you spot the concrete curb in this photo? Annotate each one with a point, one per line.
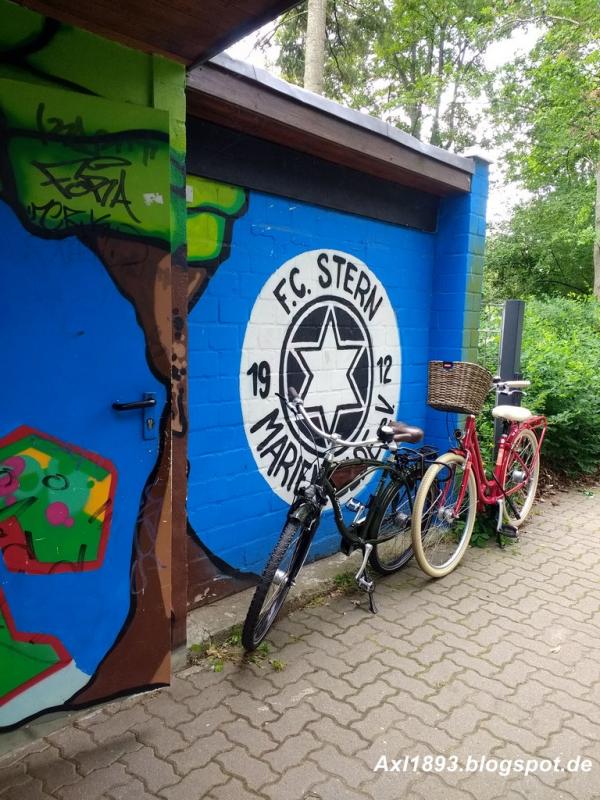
(215, 621)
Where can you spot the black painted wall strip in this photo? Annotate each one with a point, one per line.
(234, 157)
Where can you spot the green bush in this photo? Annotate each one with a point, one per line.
(561, 358)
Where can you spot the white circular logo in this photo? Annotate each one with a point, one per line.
(322, 325)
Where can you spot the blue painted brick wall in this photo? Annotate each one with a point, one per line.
(431, 282)
(230, 504)
(456, 288)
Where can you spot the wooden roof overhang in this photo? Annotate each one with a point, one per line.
(189, 31)
(241, 97)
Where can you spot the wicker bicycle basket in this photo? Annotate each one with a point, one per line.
(458, 386)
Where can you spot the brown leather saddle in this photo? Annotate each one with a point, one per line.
(406, 433)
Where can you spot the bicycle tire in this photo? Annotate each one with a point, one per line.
(523, 449)
(394, 508)
(294, 541)
(436, 534)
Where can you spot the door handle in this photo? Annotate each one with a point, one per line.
(147, 403)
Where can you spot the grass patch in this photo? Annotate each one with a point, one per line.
(317, 600)
(345, 582)
(235, 636)
(215, 654)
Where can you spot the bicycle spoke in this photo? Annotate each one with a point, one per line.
(394, 546)
(443, 523)
(270, 594)
(521, 476)
(281, 579)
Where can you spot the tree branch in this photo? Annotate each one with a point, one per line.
(267, 37)
(333, 55)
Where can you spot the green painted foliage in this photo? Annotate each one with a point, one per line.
(78, 162)
(211, 208)
(23, 661)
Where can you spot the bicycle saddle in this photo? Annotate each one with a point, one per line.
(511, 413)
(406, 433)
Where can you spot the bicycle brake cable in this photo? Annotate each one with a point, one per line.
(301, 421)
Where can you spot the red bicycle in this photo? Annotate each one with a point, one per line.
(456, 486)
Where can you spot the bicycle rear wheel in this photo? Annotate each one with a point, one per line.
(285, 562)
(440, 530)
(393, 520)
(520, 478)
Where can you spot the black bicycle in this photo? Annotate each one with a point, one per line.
(381, 527)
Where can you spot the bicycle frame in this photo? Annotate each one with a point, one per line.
(387, 468)
(398, 472)
(311, 500)
(489, 492)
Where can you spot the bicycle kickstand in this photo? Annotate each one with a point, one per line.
(365, 584)
(509, 531)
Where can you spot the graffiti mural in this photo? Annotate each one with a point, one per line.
(333, 305)
(31, 660)
(86, 181)
(212, 209)
(332, 337)
(55, 505)
(92, 180)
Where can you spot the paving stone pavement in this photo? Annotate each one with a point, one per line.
(500, 659)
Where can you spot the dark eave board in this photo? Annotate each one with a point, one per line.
(271, 109)
(189, 31)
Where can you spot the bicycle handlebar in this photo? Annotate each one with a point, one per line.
(509, 387)
(336, 440)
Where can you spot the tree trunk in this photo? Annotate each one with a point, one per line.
(435, 130)
(597, 236)
(314, 54)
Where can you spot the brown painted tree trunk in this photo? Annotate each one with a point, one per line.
(314, 54)
(140, 656)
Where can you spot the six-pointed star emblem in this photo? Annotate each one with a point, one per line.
(329, 388)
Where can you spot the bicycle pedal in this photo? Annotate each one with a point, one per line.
(509, 531)
(354, 505)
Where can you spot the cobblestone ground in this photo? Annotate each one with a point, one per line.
(500, 659)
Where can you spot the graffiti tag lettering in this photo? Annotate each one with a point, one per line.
(55, 215)
(86, 177)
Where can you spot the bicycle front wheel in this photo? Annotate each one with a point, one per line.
(441, 525)
(391, 524)
(285, 562)
(520, 478)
